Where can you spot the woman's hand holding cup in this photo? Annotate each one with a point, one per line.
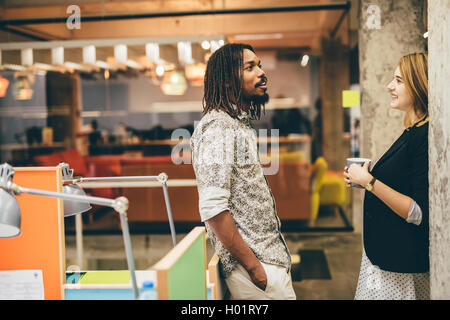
(356, 172)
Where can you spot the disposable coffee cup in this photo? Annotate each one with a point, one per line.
(359, 161)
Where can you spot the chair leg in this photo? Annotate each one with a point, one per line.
(315, 205)
(344, 217)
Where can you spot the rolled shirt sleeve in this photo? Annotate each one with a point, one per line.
(414, 214)
(213, 201)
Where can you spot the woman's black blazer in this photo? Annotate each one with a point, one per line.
(390, 242)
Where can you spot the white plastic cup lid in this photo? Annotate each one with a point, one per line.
(358, 160)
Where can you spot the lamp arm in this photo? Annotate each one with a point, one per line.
(162, 178)
(128, 251)
(94, 200)
(169, 213)
(116, 179)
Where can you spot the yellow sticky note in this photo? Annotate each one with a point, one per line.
(106, 277)
(295, 258)
(350, 98)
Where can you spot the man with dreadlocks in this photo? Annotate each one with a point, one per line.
(235, 201)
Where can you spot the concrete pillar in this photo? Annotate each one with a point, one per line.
(388, 30)
(334, 77)
(439, 146)
(381, 46)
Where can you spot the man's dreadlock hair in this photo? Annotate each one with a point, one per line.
(223, 82)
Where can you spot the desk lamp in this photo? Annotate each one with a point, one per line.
(10, 212)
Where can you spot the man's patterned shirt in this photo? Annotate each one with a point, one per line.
(230, 177)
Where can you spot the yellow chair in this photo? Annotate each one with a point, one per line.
(335, 193)
(318, 170)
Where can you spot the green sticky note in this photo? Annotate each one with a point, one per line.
(350, 98)
(106, 277)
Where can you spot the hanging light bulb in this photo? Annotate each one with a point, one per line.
(160, 71)
(305, 60)
(174, 83)
(174, 78)
(206, 45)
(215, 45)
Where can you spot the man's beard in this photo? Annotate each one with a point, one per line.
(256, 100)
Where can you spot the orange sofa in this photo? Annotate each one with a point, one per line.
(290, 186)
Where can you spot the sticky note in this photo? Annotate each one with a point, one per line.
(295, 258)
(350, 98)
(106, 277)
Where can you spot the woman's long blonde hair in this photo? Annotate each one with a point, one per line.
(414, 71)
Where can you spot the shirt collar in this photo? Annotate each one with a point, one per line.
(419, 123)
(243, 115)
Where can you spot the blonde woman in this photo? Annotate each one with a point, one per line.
(395, 262)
